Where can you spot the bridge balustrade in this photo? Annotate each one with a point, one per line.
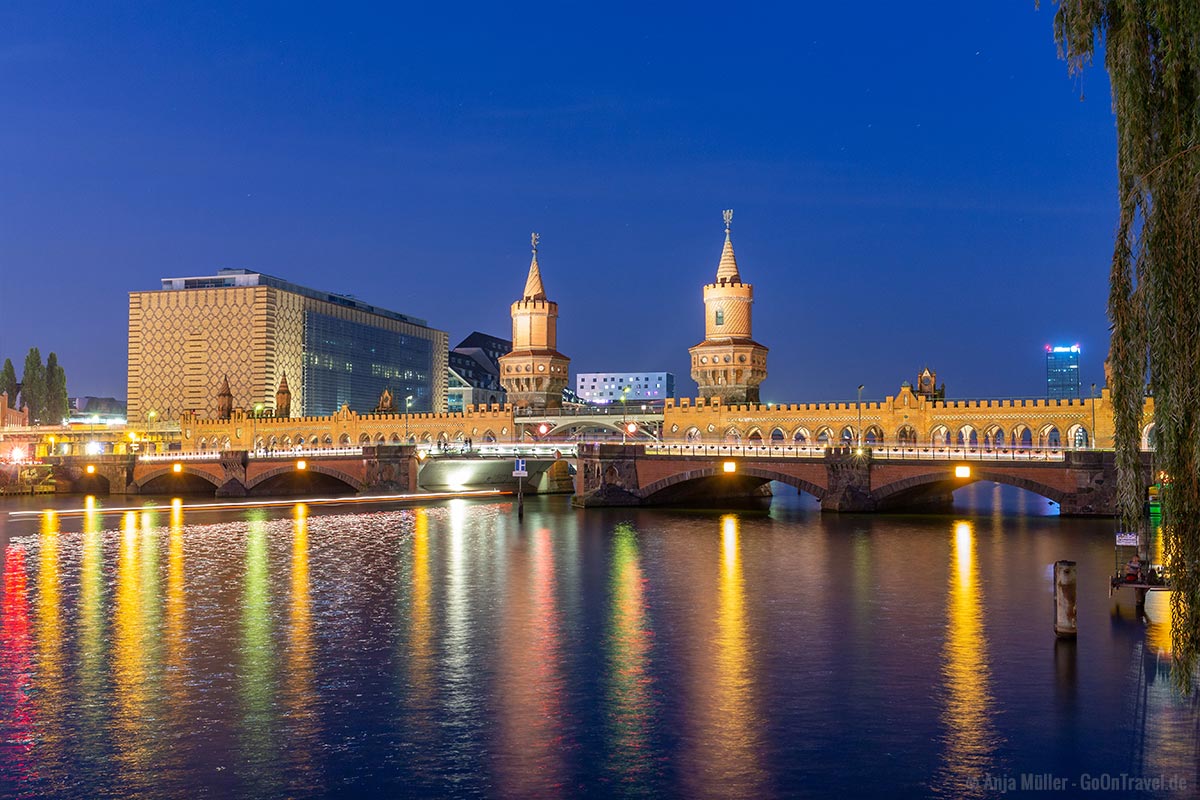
(196, 455)
(816, 451)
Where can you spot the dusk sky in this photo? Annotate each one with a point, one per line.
(913, 183)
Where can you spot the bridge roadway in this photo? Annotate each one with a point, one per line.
(864, 479)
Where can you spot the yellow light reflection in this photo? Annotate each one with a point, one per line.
(256, 651)
(628, 703)
(131, 652)
(421, 641)
(175, 624)
(91, 610)
(50, 697)
(730, 724)
(301, 696)
(970, 740)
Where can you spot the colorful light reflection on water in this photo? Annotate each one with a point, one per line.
(451, 650)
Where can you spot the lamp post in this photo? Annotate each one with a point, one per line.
(407, 406)
(1095, 442)
(150, 415)
(624, 397)
(860, 432)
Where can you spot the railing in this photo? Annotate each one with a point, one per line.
(559, 450)
(817, 451)
(309, 452)
(190, 455)
(614, 410)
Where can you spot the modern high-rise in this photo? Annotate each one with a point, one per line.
(600, 388)
(728, 364)
(1062, 372)
(260, 332)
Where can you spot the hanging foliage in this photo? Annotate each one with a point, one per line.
(1152, 54)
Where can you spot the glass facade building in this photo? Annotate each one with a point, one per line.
(255, 331)
(351, 363)
(1062, 372)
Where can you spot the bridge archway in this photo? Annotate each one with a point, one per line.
(1077, 436)
(165, 480)
(1148, 437)
(939, 436)
(708, 481)
(693, 435)
(825, 436)
(848, 435)
(906, 435)
(1050, 437)
(993, 437)
(801, 436)
(733, 435)
(755, 437)
(968, 437)
(777, 437)
(1022, 436)
(895, 494)
(316, 477)
(873, 435)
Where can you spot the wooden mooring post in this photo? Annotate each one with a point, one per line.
(1064, 599)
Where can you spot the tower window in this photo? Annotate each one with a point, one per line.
(720, 320)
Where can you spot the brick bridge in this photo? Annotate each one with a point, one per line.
(384, 469)
(1082, 482)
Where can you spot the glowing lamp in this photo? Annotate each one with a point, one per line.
(962, 471)
(177, 467)
(18, 454)
(730, 466)
(631, 427)
(91, 469)
(302, 464)
(543, 429)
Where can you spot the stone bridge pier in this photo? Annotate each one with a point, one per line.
(1082, 482)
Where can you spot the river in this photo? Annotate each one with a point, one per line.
(452, 650)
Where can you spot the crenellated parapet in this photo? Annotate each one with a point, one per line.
(903, 419)
(346, 428)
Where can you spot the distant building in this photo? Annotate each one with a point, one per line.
(474, 374)
(264, 333)
(600, 388)
(1062, 372)
(11, 417)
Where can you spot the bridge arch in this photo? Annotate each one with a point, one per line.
(755, 436)
(693, 435)
(825, 436)
(352, 483)
(906, 435)
(939, 436)
(801, 435)
(1049, 436)
(1148, 437)
(733, 435)
(873, 435)
(167, 471)
(766, 475)
(892, 492)
(777, 437)
(968, 437)
(1078, 436)
(993, 437)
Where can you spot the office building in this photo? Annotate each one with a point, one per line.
(474, 372)
(261, 333)
(599, 388)
(1062, 372)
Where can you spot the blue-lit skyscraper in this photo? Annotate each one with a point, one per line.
(1062, 372)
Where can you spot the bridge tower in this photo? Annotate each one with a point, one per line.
(534, 374)
(728, 364)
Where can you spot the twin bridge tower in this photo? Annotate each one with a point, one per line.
(728, 365)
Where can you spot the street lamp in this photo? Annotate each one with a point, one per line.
(150, 415)
(407, 406)
(1094, 442)
(624, 397)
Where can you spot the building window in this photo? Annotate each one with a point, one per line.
(720, 317)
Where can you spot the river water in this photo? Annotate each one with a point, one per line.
(451, 650)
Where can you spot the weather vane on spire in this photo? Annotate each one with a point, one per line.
(728, 218)
(534, 238)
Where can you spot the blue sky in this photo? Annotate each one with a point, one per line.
(913, 183)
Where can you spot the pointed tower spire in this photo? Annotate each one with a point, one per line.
(224, 400)
(727, 270)
(283, 398)
(533, 284)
